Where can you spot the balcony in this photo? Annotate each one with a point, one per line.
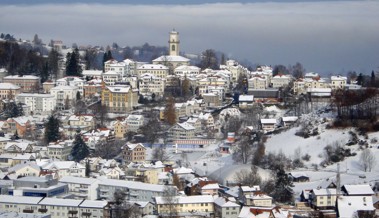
(86, 214)
(72, 212)
(28, 211)
(42, 210)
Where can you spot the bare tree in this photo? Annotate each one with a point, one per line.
(170, 199)
(248, 177)
(122, 208)
(367, 160)
(160, 153)
(169, 112)
(244, 150)
(108, 150)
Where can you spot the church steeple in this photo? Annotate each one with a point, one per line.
(173, 43)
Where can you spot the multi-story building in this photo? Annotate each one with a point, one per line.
(65, 168)
(42, 104)
(27, 83)
(150, 84)
(9, 91)
(37, 186)
(205, 84)
(134, 122)
(120, 128)
(225, 208)
(338, 82)
(198, 205)
(280, 80)
(81, 188)
(134, 153)
(157, 70)
(59, 150)
(135, 191)
(83, 122)
(257, 82)
(119, 98)
(25, 169)
(181, 131)
(54, 207)
(323, 198)
(92, 89)
(111, 77)
(64, 95)
(187, 71)
(258, 199)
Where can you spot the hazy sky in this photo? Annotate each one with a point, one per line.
(325, 36)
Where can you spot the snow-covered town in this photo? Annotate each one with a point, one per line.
(178, 138)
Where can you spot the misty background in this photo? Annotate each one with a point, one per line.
(325, 36)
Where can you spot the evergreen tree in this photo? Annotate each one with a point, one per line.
(52, 129)
(107, 56)
(20, 110)
(283, 187)
(373, 80)
(360, 79)
(45, 73)
(80, 149)
(73, 67)
(78, 97)
(53, 59)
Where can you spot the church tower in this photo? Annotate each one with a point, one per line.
(174, 43)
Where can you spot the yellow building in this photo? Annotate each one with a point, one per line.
(200, 205)
(119, 98)
(120, 128)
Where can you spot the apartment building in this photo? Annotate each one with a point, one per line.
(134, 122)
(81, 187)
(27, 83)
(9, 91)
(199, 205)
(150, 84)
(134, 152)
(119, 98)
(181, 131)
(157, 70)
(42, 104)
(64, 95)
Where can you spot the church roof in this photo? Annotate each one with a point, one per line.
(171, 58)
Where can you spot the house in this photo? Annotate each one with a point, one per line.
(133, 153)
(9, 91)
(134, 122)
(82, 122)
(268, 125)
(338, 82)
(59, 150)
(120, 127)
(198, 205)
(65, 168)
(22, 125)
(280, 80)
(262, 212)
(357, 190)
(3, 142)
(246, 101)
(195, 122)
(226, 208)
(18, 147)
(298, 177)
(157, 70)
(111, 173)
(207, 120)
(258, 82)
(258, 199)
(323, 198)
(355, 206)
(111, 77)
(289, 121)
(25, 169)
(181, 131)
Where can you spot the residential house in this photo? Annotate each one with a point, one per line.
(338, 82)
(186, 71)
(112, 173)
(9, 91)
(258, 82)
(134, 122)
(280, 80)
(212, 99)
(72, 81)
(268, 125)
(120, 128)
(323, 198)
(195, 122)
(82, 122)
(298, 177)
(133, 153)
(181, 131)
(60, 150)
(357, 190)
(289, 121)
(246, 101)
(207, 120)
(355, 206)
(25, 169)
(119, 98)
(47, 86)
(226, 207)
(22, 125)
(258, 199)
(3, 143)
(18, 147)
(65, 168)
(92, 89)
(27, 83)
